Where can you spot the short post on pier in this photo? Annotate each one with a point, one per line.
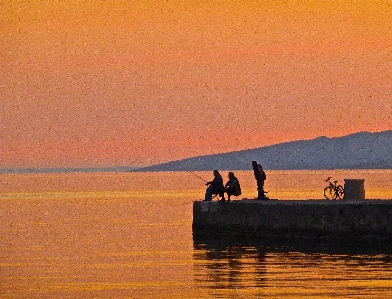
(354, 189)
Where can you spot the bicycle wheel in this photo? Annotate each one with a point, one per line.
(339, 192)
(329, 192)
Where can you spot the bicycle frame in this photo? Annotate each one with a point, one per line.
(333, 191)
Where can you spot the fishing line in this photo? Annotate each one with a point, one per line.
(197, 176)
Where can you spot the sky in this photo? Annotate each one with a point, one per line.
(134, 83)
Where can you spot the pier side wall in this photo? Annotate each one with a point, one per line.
(294, 218)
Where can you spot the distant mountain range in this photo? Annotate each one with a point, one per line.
(362, 150)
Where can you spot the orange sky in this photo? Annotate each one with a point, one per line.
(109, 83)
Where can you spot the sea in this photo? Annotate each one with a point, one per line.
(129, 235)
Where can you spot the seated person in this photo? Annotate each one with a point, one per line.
(232, 187)
(214, 187)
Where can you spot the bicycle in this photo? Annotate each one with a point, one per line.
(333, 191)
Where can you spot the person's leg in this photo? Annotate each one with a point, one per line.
(260, 193)
(208, 195)
(222, 195)
(260, 190)
(230, 192)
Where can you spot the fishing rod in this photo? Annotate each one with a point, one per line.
(197, 176)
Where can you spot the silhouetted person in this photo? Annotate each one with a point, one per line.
(232, 187)
(260, 178)
(214, 187)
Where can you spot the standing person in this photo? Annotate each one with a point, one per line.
(232, 187)
(214, 187)
(260, 178)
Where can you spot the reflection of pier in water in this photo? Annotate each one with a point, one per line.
(230, 266)
(287, 268)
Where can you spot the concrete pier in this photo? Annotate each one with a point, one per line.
(320, 219)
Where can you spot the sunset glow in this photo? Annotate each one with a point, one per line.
(110, 83)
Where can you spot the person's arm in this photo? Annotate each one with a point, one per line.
(258, 175)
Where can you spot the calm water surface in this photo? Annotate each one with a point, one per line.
(128, 235)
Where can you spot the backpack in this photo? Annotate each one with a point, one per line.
(238, 187)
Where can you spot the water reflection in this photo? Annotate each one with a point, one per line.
(229, 265)
(222, 267)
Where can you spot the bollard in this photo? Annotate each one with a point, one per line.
(354, 189)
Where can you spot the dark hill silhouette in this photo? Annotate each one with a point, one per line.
(362, 150)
